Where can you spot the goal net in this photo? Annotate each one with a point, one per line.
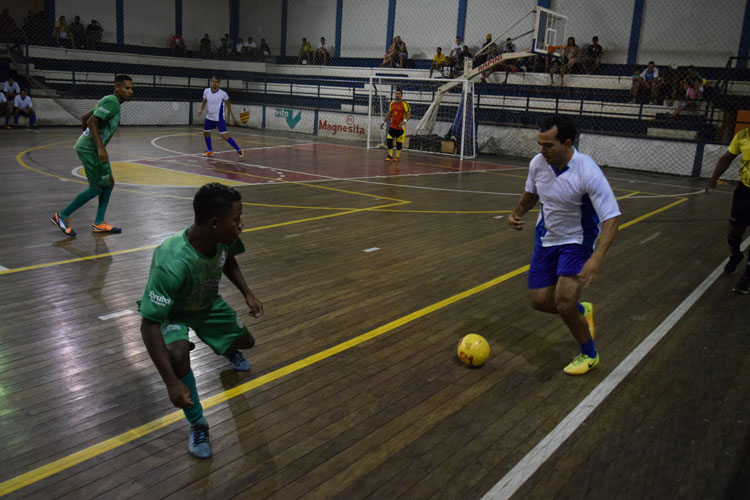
(452, 119)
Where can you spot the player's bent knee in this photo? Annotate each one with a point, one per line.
(179, 356)
(566, 306)
(245, 342)
(538, 301)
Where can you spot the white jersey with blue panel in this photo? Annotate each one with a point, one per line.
(215, 105)
(574, 200)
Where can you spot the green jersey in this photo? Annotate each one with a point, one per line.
(108, 112)
(183, 282)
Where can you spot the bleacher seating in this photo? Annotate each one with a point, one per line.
(601, 101)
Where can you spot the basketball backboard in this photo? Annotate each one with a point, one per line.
(549, 30)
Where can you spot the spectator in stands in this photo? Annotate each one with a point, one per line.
(8, 29)
(11, 89)
(264, 48)
(455, 52)
(4, 109)
(403, 54)
(509, 65)
(205, 47)
(391, 54)
(239, 49)
(488, 51)
(671, 85)
(78, 31)
(693, 94)
(63, 36)
(252, 49)
(592, 58)
(649, 81)
(322, 52)
(222, 52)
(306, 53)
(692, 75)
(438, 62)
(22, 106)
(177, 45)
(94, 35)
(458, 66)
(569, 60)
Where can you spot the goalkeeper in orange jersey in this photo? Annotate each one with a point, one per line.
(399, 112)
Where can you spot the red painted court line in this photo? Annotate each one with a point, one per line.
(425, 155)
(308, 162)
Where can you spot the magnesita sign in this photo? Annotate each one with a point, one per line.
(345, 126)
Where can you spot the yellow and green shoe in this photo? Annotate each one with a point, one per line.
(582, 364)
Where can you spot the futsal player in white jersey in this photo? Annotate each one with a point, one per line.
(217, 103)
(577, 204)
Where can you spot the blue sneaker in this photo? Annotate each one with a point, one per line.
(64, 227)
(238, 361)
(198, 444)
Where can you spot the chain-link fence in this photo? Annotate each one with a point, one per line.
(304, 66)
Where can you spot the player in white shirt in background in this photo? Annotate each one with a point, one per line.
(22, 105)
(217, 103)
(576, 204)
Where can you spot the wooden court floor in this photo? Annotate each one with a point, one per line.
(370, 274)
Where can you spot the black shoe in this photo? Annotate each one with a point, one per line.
(743, 285)
(734, 261)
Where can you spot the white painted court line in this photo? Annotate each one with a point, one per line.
(655, 235)
(328, 178)
(3, 268)
(498, 217)
(373, 249)
(115, 314)
(518, 475)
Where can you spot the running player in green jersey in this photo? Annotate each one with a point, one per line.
(183, 292)
(99, 125)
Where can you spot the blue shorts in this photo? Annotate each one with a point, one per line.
(209, 125)
(547, 263)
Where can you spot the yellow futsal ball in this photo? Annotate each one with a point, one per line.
(473, 350)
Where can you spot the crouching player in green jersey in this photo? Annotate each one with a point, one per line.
(183, 292)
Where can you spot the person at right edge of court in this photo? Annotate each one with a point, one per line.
(577, 203)
(739, 218)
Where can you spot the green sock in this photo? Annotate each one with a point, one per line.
(80, 200)
(103, 202)
(193, 413)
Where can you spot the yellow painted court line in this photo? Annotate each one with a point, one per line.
(150, 247)
(31, 477)
(628, 195)
(78, 457)
(77, 259)
(654, 212)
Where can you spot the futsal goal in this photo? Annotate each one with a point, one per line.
(447, 109)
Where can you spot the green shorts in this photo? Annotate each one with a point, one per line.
(99, 174)
(218, 327)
